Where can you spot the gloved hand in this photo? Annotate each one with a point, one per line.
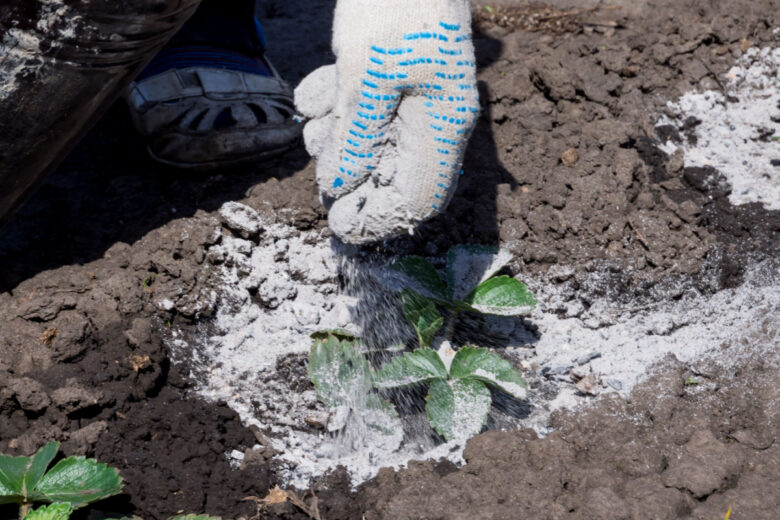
(389, 122)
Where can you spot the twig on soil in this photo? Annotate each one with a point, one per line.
(729, 98)
(538, 18)
(577, 12)
(611, 24)
(315, 506)
(278, 495)
(638, 234)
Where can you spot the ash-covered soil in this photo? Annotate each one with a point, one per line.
(564, 170)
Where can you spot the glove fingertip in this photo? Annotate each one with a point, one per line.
(369, 215)
(315, 135)
(315, 97)
(329, 178)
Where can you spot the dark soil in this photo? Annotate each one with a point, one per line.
(563, 170)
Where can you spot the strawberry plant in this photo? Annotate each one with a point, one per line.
(459, 381)
(471, 282)
(459, 398)
(72, 483)
(343, 380)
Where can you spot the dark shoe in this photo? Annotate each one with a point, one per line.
(206, 107)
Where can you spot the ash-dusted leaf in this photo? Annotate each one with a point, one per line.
(384, 425)
(78, 480)
(413, 368)
(58, 511)
(194, 517)
(338, 370)
(370, 421)
(422, 314)
(470, 265)
(38, 464)
(483, 365)
(502, 295)
(339, 334)
(458, 408)
(12, 470)
(419, 274)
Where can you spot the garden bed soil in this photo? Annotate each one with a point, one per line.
(564, 170)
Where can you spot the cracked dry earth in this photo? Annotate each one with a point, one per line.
(565, 170)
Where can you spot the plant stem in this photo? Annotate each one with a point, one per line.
(24, 508)
(452, 319)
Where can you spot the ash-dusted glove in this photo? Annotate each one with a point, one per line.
(389, 122)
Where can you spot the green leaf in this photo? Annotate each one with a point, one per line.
(421, 276)
(338, 371)
(19, 475)
(38, 464)
(382, 418)
(502, 295)
(483, 365)
(458, 409)
(470, 265)
(58, 511)
(78, 480)
(12, 470)
(422, 314)
(413, 368)
(194, 517)
(339, 334)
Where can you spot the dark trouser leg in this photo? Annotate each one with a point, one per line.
(225, 23)
(61, 66)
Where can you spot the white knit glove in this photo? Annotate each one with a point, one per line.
(389, 122)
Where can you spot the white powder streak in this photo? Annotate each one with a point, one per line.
(729, 136)
(721, 328)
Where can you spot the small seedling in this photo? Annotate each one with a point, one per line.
(459, 382)
(472, 286)
(691, 381)
(343, 380)
(337, 368)
(422, 314)
(458, 399)
(471, 282)
(149, 280)
(72, 483)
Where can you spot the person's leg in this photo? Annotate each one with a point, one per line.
(210, 98)
(231, 24)
(219, 35)
(61, 66)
